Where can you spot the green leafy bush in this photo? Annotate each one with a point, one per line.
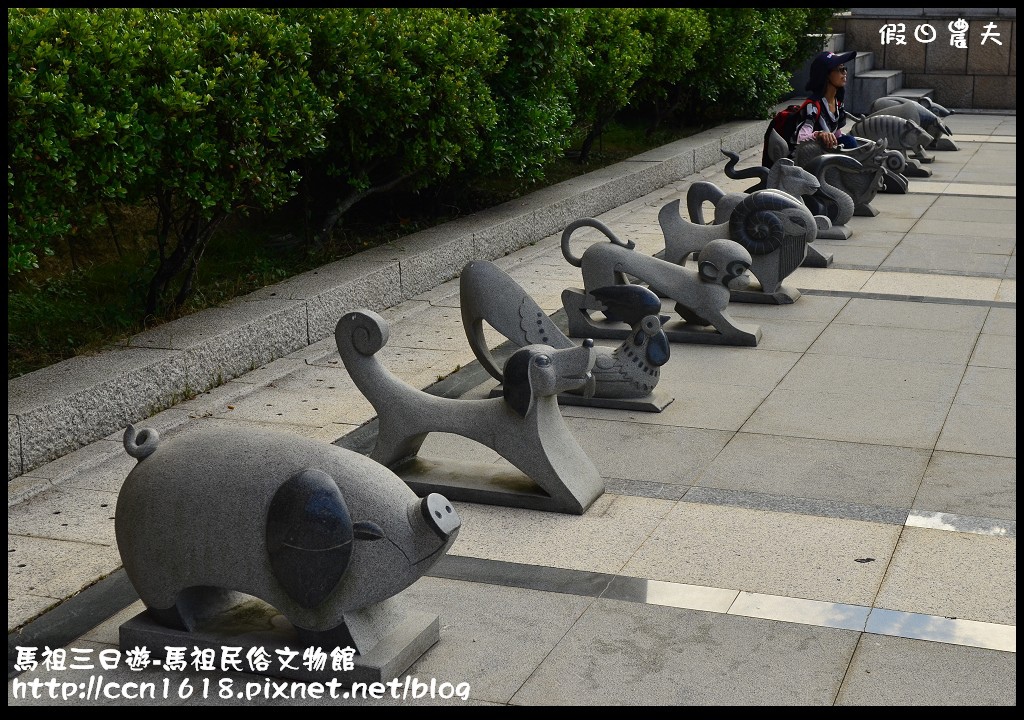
(73, 140)
(180, 121)
(615, 56)
(227, 103)
(411, 95)
(744, 68)
(533, 91)
(677, 35)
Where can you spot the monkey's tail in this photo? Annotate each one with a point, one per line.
(140, 444)
(589, 222)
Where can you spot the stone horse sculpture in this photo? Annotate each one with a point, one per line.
(524, 426)
(701, 296)
(901, 134)
(874, 156)
(623, 377)
(879, 168)
(773, 226)
(924, 115)
(325, 535)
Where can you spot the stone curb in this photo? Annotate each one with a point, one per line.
(56, 410)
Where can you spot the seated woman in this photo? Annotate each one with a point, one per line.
(823, 117)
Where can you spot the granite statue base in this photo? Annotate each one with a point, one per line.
(783, 296)
(485, 483)
(582, 323)
(817, 259)
(655, 402)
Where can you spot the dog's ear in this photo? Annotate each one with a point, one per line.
(516, 385)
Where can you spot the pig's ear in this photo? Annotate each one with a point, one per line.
(309, 536)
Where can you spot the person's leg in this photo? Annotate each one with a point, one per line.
(847, 141)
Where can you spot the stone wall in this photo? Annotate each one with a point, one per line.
(981, 76)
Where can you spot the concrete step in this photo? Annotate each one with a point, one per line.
(866, 87)
(863, 62)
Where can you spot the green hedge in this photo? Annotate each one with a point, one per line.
(204, 114)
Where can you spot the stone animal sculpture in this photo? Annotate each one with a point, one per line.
(323, 534)
(901, 134)
(524, 426)
(831, 200)
(920, 113)
(701, 295)
(631, 370)
(879, 167)
(784, 175)
(773, 226)
(865, 153)
(936, 108)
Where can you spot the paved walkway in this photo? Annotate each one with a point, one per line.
(828, 518)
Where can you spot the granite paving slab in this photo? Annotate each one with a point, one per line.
(917, 315)
(851, 418)
(824, 469)
(941, 573)
(600, 540)
(775, 553)
(618, 654)
(880, 674)
(984, 430)
(56, 568)
(968, 484)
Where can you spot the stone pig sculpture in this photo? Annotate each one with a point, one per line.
(323, 534)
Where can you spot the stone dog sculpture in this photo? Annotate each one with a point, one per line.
(773, 226)
(324, 535)
(629, 371)
(524, 426)
(701, 296)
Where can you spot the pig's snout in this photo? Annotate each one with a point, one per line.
(440, 515)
